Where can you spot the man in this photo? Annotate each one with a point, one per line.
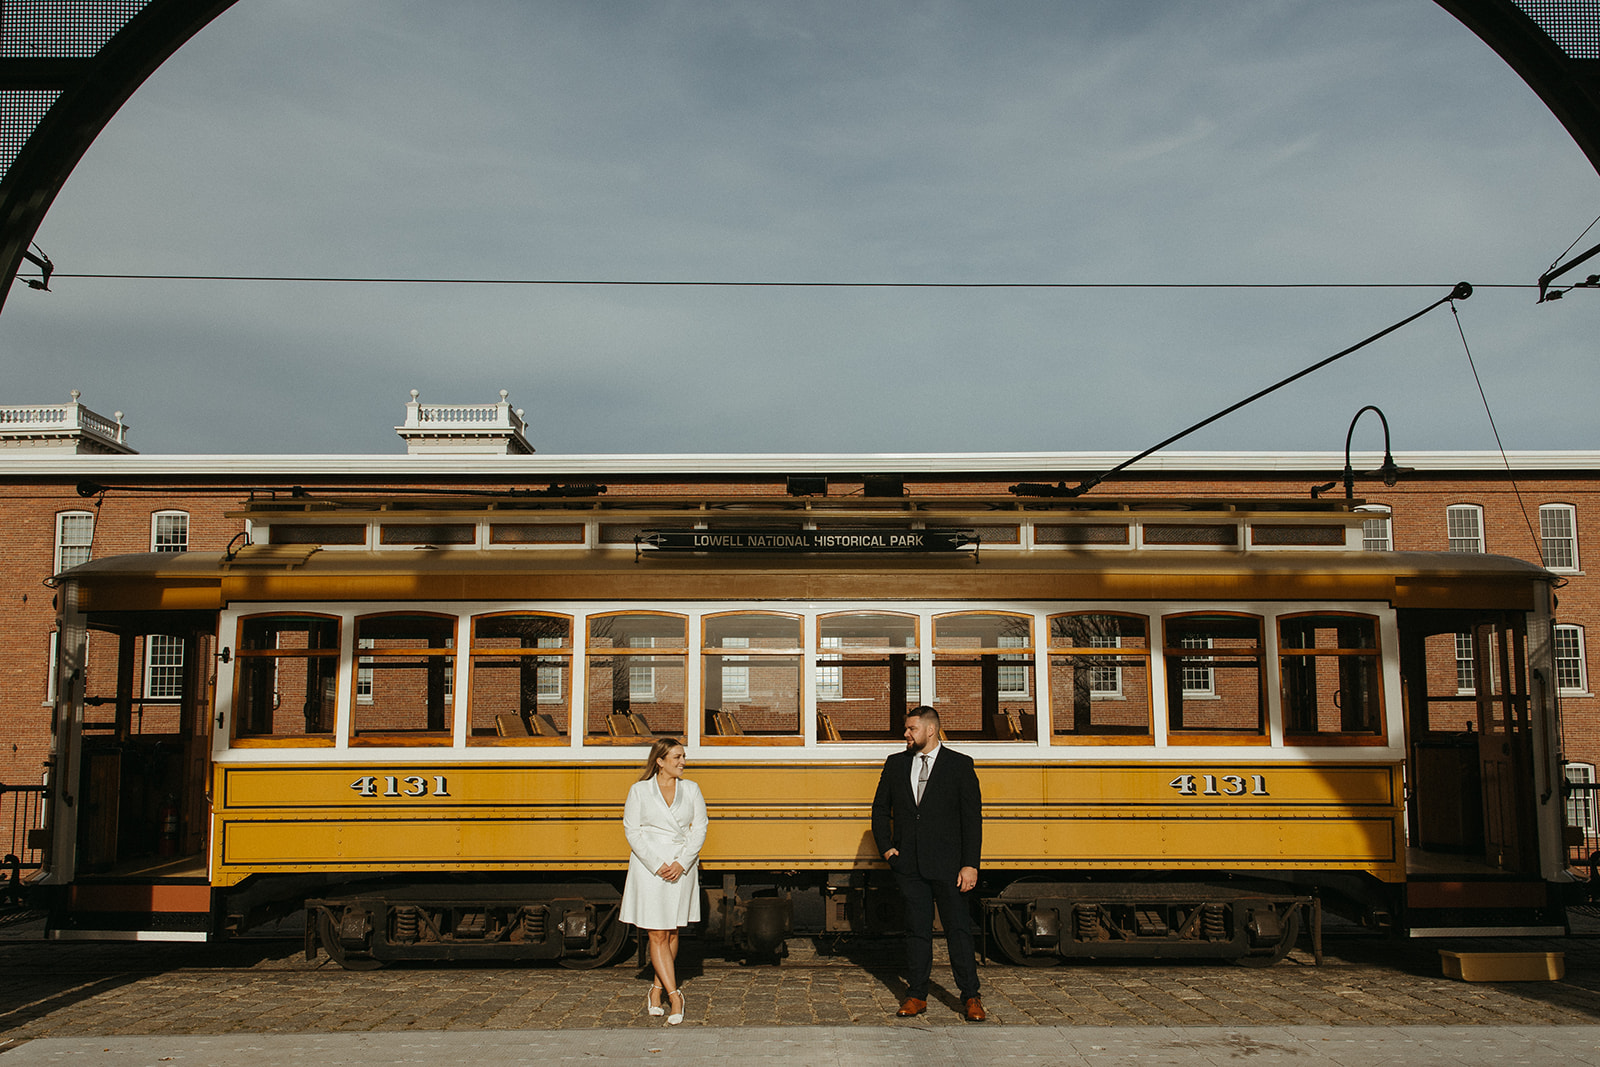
(927, 821)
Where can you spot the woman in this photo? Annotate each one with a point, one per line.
(665, 820)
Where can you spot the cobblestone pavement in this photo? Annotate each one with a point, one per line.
(70, 989)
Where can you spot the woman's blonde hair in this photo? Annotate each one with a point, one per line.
(658, 752)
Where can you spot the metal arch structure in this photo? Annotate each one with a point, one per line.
(67, 66)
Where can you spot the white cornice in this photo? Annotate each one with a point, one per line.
(1049, 465)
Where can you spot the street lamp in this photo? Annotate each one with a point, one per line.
(1390, 472)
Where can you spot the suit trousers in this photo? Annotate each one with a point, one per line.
(921, 894)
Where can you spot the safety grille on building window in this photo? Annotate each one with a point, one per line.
(20, 112)
(57, 29)
(1572, 24)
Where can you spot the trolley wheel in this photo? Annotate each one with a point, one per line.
(1007, 934)
(329, 936)
(614, 943)
(1291, 934)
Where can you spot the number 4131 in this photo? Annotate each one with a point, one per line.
(1227, 785)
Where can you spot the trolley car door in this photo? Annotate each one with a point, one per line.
(1505, 750)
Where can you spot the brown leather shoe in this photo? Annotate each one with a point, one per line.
(975, 1012)
(912, 1006)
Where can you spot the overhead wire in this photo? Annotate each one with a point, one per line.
(1538, 543)
(733, 283)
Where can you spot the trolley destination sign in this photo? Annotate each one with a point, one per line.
(833, 540)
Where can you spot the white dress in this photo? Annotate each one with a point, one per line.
(658, 835)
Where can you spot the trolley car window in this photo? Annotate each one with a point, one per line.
(873, 658)
(752, 676)
(1234, 704)
(519, 687)
(1100, 678)
(982, 676)
(412, 659)
(286, 681)
(635, 678)
(1329, 667)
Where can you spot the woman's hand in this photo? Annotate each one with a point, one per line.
(670, 872)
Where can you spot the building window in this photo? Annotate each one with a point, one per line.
(1558, 534)
(74, 538)
(1466, 673)
(163, 667)
(169, 531)
(1571, 676)
(1197, 679)
(830, 676)
(364, 672)
(1376, 532)
(1581, 800)
(1464, 525)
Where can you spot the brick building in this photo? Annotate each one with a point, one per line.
(73, 488)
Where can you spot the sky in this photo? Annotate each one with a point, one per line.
(1370, 153)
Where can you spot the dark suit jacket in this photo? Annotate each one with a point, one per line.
(945, 833)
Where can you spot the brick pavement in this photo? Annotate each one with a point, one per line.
(268, 987)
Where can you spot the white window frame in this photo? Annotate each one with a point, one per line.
(67, 549)
(547, 679)
(163, 669)
(1016, 676)
(735, 672)
(1552, 518)
(1377, 528)
(1464, 528)
(364, 675)
(170, 540)
(1574, 664)
(641, 679)
(1200, 665)
(1580, 804)
(1105, 683)
(1466, 664)
(830, 669)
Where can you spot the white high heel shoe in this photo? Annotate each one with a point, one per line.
(654, 1009)
(676, 1017)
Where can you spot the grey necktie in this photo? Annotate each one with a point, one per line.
(922, 779)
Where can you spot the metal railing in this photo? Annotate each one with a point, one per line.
(20, 810)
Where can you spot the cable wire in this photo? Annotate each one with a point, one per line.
(732, 284)
(1538, 543)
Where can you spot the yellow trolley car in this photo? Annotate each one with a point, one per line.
(1193, 722)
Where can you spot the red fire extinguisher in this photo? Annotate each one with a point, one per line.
(167, 817)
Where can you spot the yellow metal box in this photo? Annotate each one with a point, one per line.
(1504, 966)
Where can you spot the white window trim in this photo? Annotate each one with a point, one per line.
(1581, 803)
(61, 545)
(1199, 663)
(1012, 670)
(1479, 539)
(1470, 659)
(1377, 513)
(1582, 688)
(155, 526)
(150, 667)
(1571, 513)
